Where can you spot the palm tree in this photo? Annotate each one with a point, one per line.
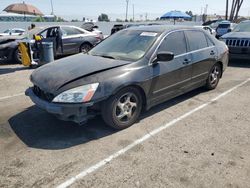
(235, 8)
(226, 17)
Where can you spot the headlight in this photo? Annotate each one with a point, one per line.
(77, 95)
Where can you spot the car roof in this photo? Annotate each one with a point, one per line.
(40, 28)
(161, 28)
(245, 21)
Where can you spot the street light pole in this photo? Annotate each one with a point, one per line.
(127, 11)
(133, 12)
(52, 8)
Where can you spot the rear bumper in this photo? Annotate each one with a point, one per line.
(77, 113)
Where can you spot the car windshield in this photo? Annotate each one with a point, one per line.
(130, 45)
(242, 27)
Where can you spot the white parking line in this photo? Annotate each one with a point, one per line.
(11, 96)
(102, 163)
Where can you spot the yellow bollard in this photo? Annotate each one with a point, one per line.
(25, 54)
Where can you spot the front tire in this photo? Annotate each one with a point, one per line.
(17, 56)
(214, 77)
(123, 109)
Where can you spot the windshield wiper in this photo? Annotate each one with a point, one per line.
(104, 56)
(107, 56)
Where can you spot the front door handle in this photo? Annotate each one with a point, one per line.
(212, 53)
(186, 61)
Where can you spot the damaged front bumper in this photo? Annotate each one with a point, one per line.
(78, 113)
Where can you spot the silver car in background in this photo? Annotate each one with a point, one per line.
(67, 39)
(13, 32)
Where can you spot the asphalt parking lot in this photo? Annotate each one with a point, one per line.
(200, 139)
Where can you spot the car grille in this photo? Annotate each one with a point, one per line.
(238, 42)
(43, 95)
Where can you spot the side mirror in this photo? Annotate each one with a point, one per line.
(229, 30)
(165, 56)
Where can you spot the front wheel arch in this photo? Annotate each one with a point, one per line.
(109, 105)
(221, 66)
(143, 94)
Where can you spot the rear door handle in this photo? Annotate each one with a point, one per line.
(186, 61)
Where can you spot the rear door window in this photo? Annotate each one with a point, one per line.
(174, 42)
(67, 31)
(196, 40)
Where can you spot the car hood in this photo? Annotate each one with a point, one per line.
(236, 35)
(53, 76)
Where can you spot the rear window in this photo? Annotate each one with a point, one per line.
(196, 40)
(224, 26)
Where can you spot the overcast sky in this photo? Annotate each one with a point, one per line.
(116, 8)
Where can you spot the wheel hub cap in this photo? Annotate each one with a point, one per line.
(126, 107)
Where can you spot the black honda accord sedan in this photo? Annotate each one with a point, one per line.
(128, 72)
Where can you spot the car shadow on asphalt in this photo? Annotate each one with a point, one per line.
(239, 63)
(39, 129)
(11, 70)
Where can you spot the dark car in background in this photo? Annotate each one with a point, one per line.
(132, 70)
(118, 27)
(91, 27)
(238, 41)
(66, 40)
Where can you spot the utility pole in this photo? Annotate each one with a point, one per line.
(206, 8)
(133, 12)
(127, 1)
(52, 8)
(226, 17)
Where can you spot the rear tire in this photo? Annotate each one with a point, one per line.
(214, 77)
(123, 109)
(85, 47)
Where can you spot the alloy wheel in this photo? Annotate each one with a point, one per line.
(126, 107)
(214, 75)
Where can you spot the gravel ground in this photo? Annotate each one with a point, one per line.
(209, 148)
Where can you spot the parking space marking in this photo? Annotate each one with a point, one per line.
(11, 96)
(105, 161)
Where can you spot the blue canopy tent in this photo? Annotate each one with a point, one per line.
(175, 15)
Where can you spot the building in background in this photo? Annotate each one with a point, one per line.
(12, 17)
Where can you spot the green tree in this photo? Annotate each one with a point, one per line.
(118, 20)
(74, 20)
(103, 18)
(39, 19)
(60, 19)
(190, 13)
